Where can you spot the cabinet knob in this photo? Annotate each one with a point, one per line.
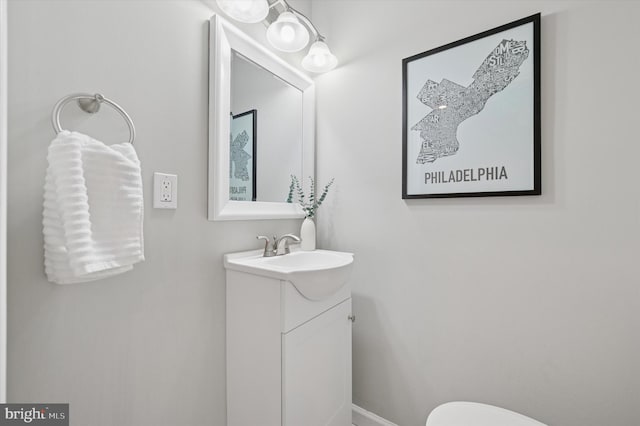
(352, 318)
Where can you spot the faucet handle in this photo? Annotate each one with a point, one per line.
(282, 245)
(268, 251)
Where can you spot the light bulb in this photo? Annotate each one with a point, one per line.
(249, 11)
(287, 33)
(319, 59)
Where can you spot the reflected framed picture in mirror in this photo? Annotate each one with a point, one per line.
(242, 156)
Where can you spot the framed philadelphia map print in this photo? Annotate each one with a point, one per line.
(471, 116)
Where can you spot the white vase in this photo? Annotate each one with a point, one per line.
(308, 235)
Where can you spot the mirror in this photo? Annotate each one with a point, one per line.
(261, 128)
(266, 133)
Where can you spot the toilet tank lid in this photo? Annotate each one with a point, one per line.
(460, 413)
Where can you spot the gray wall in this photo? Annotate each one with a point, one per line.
(146, 347)
(3, 200)
(531, 303)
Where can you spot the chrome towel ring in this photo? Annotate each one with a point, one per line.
(90, 104)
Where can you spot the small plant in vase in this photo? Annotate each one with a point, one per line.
(310, 204)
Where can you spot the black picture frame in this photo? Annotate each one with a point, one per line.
(243, 159)
(492, 114)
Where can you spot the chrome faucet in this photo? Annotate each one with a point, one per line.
(279, 246)
(282, 244)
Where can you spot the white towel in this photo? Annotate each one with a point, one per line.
(93, 209)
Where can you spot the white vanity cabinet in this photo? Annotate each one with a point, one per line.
(288, 357)
(316, 376)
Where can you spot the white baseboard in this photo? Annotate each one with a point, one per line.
(362, 417)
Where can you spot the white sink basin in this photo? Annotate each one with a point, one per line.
(315, 274)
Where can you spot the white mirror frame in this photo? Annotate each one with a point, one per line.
(223, 38)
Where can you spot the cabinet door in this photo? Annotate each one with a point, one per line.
(316, 368)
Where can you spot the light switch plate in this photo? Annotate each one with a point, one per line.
(165, 191)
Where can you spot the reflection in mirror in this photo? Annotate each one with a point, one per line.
(266, 133)
(242, 156)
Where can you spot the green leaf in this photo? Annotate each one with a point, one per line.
(310, 203)
(291, 187)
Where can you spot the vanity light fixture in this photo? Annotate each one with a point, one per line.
(289, 32)
(248, 11)
(319, 59)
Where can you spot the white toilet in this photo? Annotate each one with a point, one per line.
(475, 414)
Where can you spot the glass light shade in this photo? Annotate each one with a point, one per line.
(287, 33)
(319, 59)
(249, 11)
